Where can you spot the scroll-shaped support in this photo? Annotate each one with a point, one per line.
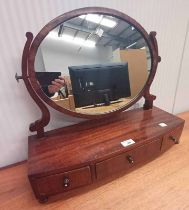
(153, 39)
(149, 98)
(38, 125)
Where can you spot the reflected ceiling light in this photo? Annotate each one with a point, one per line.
(109, 23)
(131, 45)
(99, 32)
(73, 40)
(89, 43)
(67, 38)
(78, 40)
(94, 18)
(132, 28)
(99, 19)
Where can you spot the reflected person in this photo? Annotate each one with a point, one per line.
(57, 85)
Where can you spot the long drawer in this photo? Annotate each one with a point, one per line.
(127, 160)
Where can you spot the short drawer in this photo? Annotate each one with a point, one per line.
(127, 160)
(57, 183)
(171, 138)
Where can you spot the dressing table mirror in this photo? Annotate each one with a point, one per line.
(94, 63)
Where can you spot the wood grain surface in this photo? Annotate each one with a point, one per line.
(90, 142)
(161, 184)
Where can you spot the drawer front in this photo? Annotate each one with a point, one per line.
(128, 159)
(63, 182)
(171, 138)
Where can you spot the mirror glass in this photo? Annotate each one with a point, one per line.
(93, 64)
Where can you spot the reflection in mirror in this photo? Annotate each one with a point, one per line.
(93, 64)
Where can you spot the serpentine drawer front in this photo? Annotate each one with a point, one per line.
(64, 181)
(172, 138)
(128, 159)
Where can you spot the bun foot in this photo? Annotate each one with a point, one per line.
(43, 199)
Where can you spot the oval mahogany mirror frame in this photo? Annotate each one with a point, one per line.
(28, 70)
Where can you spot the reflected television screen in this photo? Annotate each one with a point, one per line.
(101, 84)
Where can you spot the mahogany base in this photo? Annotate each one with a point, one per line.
(84, 153)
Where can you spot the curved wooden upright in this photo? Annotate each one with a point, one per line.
(149, 98)
(39, 124)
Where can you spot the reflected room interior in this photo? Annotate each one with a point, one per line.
(93, 64)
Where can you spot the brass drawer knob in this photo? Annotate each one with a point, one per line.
(173, 139)
(130, 159)
(66, 182)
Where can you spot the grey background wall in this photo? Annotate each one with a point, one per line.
(17, 110)
(52, 52)
(181, 102)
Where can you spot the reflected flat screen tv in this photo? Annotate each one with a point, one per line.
(99, 84)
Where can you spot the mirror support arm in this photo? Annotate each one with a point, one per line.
(149, 98)
(39, 124)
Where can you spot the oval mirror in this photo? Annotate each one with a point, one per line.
(93, 64)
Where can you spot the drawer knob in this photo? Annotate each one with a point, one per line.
(130, 159)
(66, 182)
(173, 139)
